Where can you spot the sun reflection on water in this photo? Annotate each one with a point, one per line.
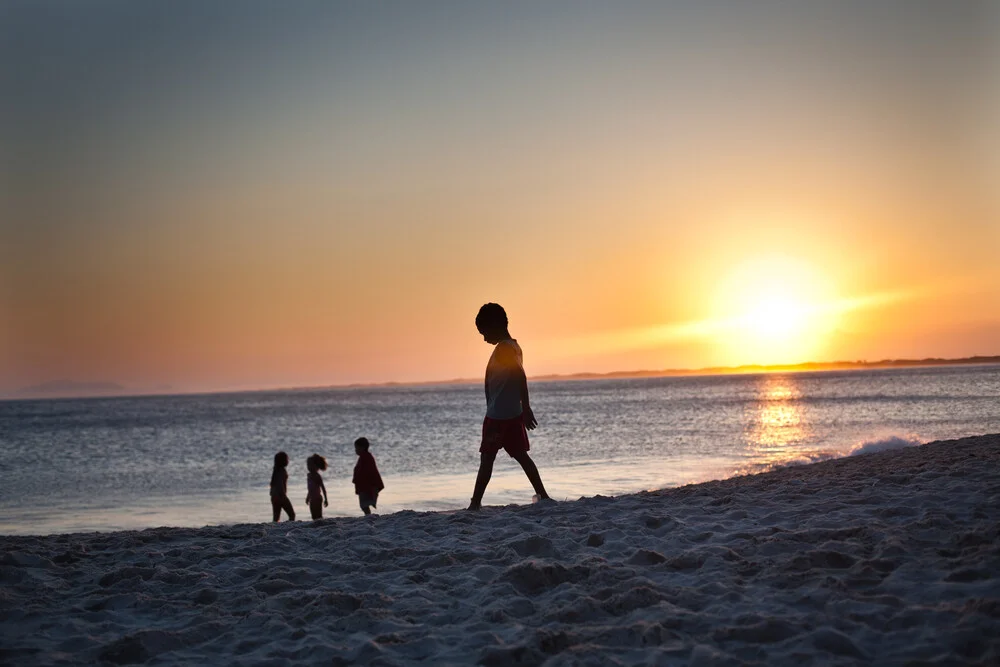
(775, 428)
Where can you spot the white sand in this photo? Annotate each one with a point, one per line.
(884, 558)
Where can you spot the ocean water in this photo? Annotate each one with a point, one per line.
(75, 465)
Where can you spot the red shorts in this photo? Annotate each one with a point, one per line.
(507, 434)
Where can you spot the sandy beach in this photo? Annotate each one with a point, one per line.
(887, 558)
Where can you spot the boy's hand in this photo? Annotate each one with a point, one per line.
(529, 419)
(326, 503)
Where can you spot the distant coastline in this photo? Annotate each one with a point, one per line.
(779, 368)
(805, 367)
(70, 389)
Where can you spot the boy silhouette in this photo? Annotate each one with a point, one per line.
(367, 482)
(508, 410)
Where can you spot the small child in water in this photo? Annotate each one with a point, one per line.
(316, 496)
(367, 481)
(279, 488)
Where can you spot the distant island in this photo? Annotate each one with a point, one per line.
(778, 368)
(716, 370)
(64, 387)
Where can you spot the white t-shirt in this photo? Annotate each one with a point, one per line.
(503, 381)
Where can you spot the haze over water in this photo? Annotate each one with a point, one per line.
(115, 463)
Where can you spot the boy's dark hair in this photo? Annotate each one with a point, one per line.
(491, 316)
(316, 461)
(362, 443)
(280, 460)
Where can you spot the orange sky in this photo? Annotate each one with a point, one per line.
(328, 199)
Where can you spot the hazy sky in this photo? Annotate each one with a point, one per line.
(241, 194)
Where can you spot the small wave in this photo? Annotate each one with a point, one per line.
(884, 444)
(801, 459)
(805, 458)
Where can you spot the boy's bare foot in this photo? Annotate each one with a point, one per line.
(474, 506)
(539, 499)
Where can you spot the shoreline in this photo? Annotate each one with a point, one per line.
(424, 494)
(884, 557)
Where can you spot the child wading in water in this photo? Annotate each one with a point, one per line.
(367, 481)
(316, 495)
(279, 488)
(508, 411)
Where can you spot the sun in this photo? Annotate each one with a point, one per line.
(776, 316)
(773, 311)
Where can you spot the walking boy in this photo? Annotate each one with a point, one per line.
(508, 411)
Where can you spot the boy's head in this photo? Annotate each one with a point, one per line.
(280, 460)
(360, 446)
(492, 323)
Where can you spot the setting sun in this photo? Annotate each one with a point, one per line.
(776, 308)
(776, 316)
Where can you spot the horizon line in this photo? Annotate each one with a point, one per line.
(38, 392)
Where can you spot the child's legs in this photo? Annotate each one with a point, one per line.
(486, 460)
(316, 507)
(286, 505)
(279, 503)
(367, 501)
(531, 470)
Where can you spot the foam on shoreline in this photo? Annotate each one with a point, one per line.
(887, 557)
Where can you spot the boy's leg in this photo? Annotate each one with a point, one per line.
(531, 470)
(289, 510)
(364, 501)
(316, 509)
(486, 460)
(276, 507)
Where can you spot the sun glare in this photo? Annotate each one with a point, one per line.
(775, 310)
(776, 316)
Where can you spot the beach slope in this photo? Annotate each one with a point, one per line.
(885, 558)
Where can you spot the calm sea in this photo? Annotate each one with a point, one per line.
(123, 463)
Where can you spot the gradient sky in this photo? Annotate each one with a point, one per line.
(214, 195)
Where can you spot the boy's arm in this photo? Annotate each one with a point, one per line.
(509, 359)
(372, 478)
(526, 414)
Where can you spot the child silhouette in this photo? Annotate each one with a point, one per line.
(367, 481)
(279, 488)
(316, 490)
(508, 411)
